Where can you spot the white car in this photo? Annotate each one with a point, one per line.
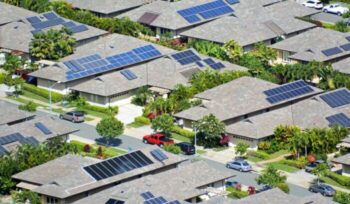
(313, 4)
(336, 9)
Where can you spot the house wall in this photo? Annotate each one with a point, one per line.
(63, 88)
(282, 58)
(346, 170)
(235, 139)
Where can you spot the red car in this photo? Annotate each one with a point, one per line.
(158, 139)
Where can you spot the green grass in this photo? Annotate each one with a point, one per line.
(279, 153)
(93, 113)
(21, 100)
(135, 124)
(180, 137)
(34, 96)
(107, 151)
(200, 151)
(254, 159)
(284, 167)
(271, 156)
(219, 149)
(330, 181)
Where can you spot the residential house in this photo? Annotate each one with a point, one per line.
(345, 162)
(10, 114)
(11, 13)
(342, 66)
(177, 185)
(16, 36)
(176, 17)
(253, 25)
(70, 178)
(319, 44)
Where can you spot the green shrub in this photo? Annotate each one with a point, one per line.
(172, 148)
(2, 78)
(235, 193)
(142, 120)
(341, 197)
(283, 186)
(30, 106)
(109, 110)
(259, 154)
(24, 196)
(264, 145)
(56, 97)
(182, 132)
(342, 180)
(295, 163)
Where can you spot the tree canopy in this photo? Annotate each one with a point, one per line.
(271, 177)
(163, 123)
(110, 128)
(209, 130)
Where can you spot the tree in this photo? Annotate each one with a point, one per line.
(341, 197)
(233, 50)
(30, 107)
(320, 170)
(263, 53)
(163, 123)
(52, 45)
(25, 196)
(209, 130)
(241, 148)
(12, 63)
(142, 96)
(110, 128)
(271, 177)
(341, 26)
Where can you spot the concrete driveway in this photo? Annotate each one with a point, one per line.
(128, 112)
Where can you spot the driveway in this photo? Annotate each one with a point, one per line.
(128, 112)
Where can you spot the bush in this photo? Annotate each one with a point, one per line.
(109, 110)
(283, 186)
(235, 193)
(56, 97)
(259, 154)
(295, 163)
(142, 120)
(87, 148)
(2, 78)
(342, 180)
(182, 132)
(264, 145)
(30, 106)
(341, 197)
(172, 148)
(24, 196)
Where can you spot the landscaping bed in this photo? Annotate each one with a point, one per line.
(93, 150)
(284, 167)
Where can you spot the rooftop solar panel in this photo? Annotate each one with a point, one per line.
(156, 200)
(79, 28)
(232, 1)
(286, 87)
(34, 20)
(69, 24)
(159, 155)
(345, 47)
(209, 61)
(48, 23)
(42, 128)
(200, 64)
(289, 94)
(114, 201)
(3, 151)
(147, 195)
(174, 202)
(30, 141)
(11, 138)
(331, 51)
(186, 57)
(339, 119)
(217, 66)
(50, 15)
(337, 98)
(128, 74)
(348, 38)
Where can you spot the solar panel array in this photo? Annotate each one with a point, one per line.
(348, 38)
(205, 11)
(118, 165)
(43, 128)
(287, 91)
(93, 64)
(151, 199)
(339, 119)
(16, 137)
(114, 201)
(188, 57)
(51, 19)
(128, 74)
(159, 155)
(232, 1)
(332, 51)
(345, 47)
(337, 98)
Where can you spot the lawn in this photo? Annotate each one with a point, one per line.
(200, 151)
(330, 181)
(34, 96)
(284, 167)
(135, 124)
(180, 138)
(254, 159)
(93, 113)
(107, 151)
(219, 149)
(271, 156)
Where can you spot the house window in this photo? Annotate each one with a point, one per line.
(51, 200)
(285, 56)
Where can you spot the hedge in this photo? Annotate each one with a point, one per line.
(295, 163)
(56, 97)
(182, 132)
(2, 78)
(234, 193)
(259, 154)
(100, 109)
(142, 120)
(342, 180)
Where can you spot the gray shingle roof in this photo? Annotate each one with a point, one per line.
(234, 99)
(308, 46)
(10, 113)
(342, 66)
(181, 184)
(72, 179)
(345, 159)
(11, 13)
(17, 35)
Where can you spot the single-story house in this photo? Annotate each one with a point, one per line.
(10, 114)
(16, 36)
(318, 44)
(72, 177)
(342, 66)
(345, 162)
(160, 75)
(11, 13)
(107, 8)
(176, 17)
(253, 25)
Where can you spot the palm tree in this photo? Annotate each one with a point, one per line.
(233, 50)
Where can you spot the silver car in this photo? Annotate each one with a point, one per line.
(74, 116)
(240, 165)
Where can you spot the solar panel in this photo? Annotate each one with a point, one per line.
(11, 138)
(174, 202)
(206, 11)
(209, 61)
(232, 1)
(348, 38)
(50, 15)
(79, 28)
(29, 141)
(34, 20)
(286, 87)
(114, 201)
(186, 57)
(3, 151)
(199, 64)
(43, 128)
(289, 94)
(147, 195)
(217, 66)
(69, 24)
(48, 23)
(156, 200)
(337, 98)
(345, 47)
(339, 119)
(128, 74)
(118, 165)
(159, 155)
(332, 51)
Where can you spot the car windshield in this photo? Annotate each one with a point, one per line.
(79, 113)
(245, 163)
(318, 2)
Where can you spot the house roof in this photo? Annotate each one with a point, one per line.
(10, 113)
(168, 17)
(190, 184)
(17, 35)
(253, 25)
(11, 13)
(162, 72)
(104, 46)
(309, 45)
(345, 159)
(107, 6)
(342, 66)
(237, 98)
(65, 177)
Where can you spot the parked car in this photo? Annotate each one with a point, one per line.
(336, 9)
(322, 188)
(313, 4)
(264, 188)
(311, 166)
(233, 184)
(240, 165)
(187, 148)
(157, 139)
(74, 116)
